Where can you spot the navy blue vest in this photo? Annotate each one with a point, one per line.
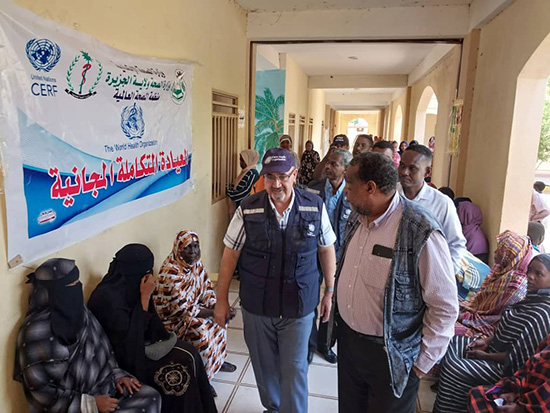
(278, 269)
(343, 210)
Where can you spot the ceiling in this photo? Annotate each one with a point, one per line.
(300, 5)
(333, 59)
(371, 58)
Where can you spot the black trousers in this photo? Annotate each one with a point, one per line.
(364, 383)
(318, 337)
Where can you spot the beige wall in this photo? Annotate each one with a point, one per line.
(431, 121)
(316, 108)
(442, 78)
(372, 117)
(502, 150)
(296, 97)
(214, 35)
(400, 101)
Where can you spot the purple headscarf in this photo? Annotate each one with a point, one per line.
(471, 218)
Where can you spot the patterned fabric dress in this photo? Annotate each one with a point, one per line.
(59, 378)
(505, 285)
(310, 160)
(182, 291)
(531, 384)
(521, 328)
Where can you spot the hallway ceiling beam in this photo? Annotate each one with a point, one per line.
(357, 81)
(354, 100)
(436, 22)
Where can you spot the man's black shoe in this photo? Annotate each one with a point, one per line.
(310, 354)
(328, 355)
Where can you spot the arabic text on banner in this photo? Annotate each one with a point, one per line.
(91, 136)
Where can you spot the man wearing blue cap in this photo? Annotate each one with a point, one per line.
(278, 233)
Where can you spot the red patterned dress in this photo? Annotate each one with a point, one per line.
(182, 291)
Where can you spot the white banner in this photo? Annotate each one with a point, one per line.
(91, 136)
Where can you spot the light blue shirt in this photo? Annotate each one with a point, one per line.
(332, 200)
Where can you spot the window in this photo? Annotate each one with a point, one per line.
(292, 127)
(310, 130)
(225, 118)
(302, 132)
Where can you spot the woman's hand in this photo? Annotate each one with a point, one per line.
(146, 288)
(476, 354)
(106, 403)
(480, 344)
(131, 384)
(205, 313)
(511, 408)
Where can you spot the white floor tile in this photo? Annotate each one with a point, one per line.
(239, 361)
(246, 400)
(224, 392)
(234, 286)
(249, 377)
(323, 380)
(237, 322)
(235, 341)
(426, 396)
(320, 405)
(233, 299)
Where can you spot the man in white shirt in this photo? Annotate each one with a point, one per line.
(415, 165)
(539, 208)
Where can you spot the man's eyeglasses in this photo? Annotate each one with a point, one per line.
(279, 177)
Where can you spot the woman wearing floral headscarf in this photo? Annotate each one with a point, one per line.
(185, 300)
(505, 285)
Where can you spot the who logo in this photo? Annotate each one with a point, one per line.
(132, 122)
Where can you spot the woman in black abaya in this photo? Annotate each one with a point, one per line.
(122, 304)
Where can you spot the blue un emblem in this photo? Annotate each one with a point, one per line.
(131, 121)
(43, 54)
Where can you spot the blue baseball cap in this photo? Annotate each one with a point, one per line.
(277, 160)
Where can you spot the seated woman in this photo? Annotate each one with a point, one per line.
(505, 285)
(242, 185)
(470, 362)
(123, 305)
(528, 390)
(471, 218)
(63, 357)
(185, 302)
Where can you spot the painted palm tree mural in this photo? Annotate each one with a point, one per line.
(269, 122)
(269, 110)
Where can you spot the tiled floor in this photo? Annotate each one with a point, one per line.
(237, 392)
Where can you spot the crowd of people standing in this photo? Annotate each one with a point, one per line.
(357, 248)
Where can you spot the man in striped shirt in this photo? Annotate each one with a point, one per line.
(396, 299)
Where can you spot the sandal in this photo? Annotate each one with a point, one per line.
(213, 390)
(228, 367)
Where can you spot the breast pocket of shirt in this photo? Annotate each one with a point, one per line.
(377, 273)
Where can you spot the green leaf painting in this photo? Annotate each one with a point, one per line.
(269, 124)
(269, 110)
